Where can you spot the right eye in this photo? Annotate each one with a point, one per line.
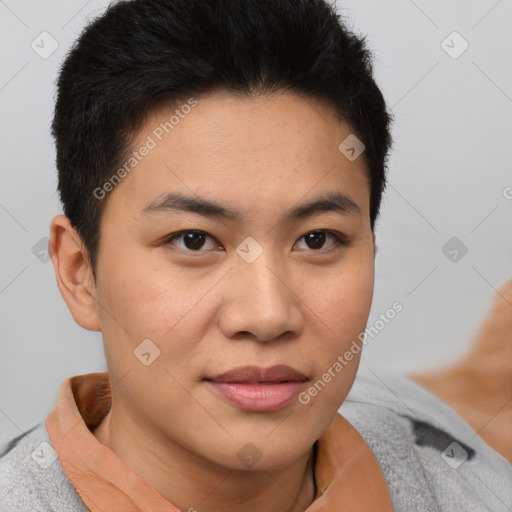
(192, 240)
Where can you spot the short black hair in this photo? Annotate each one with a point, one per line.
(140, 55)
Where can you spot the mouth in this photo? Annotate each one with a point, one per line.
(255, 389)
(256, 375)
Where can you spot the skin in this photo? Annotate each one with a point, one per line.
(209, 311)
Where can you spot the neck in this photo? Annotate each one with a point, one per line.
(198, 484)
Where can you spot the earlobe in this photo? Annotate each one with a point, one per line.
(73, 272)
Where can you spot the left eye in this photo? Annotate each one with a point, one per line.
(316, 239)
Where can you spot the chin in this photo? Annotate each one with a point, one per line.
(263, 454)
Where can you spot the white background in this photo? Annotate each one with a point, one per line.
(448, 172)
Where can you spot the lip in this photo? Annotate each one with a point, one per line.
(255, 374)
(256, 389)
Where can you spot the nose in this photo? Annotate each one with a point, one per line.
(260, 300)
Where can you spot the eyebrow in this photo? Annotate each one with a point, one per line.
(178, 202)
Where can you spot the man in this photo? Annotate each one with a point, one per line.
(221, 166)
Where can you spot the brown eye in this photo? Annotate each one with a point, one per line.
(315, 240)
(192, 240)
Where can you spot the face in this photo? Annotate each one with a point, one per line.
(209, 261)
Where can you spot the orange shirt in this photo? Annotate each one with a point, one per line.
(347, 475)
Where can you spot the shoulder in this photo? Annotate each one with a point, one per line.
(430, 457)
(31, 477)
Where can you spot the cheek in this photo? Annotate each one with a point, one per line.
(137, 294)
(343, 298)
(343, 305)
(139, 302)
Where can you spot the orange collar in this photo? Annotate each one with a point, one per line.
(347, 475)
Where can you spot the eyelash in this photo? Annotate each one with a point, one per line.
(340, 240)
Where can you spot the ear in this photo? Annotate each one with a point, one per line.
(73, 272)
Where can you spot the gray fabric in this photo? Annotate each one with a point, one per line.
(32, 480)
(411, 433)
(405, 426)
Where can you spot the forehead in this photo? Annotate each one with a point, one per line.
(255, 153)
